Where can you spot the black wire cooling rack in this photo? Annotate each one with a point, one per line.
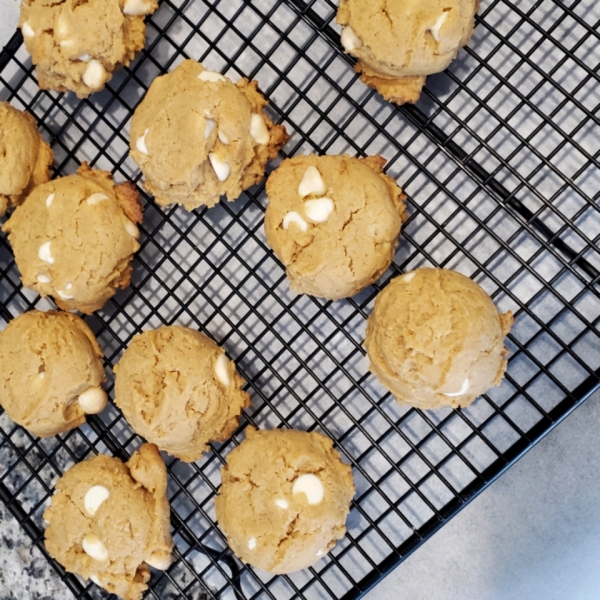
(500, 161)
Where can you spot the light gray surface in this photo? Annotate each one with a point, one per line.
(532, 535)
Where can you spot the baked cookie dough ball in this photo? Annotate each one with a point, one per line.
(334, 222)
(25, 158)
(74, 238)
(77, 45)
(108, 521)
(399, 43)
(178, 390)
(197, 136)
(50, 372)
(435, 339)
(284, 499)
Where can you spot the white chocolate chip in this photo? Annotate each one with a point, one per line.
(259, 130)
(41, 278)
(66, 44)
(311, 486)
(132, 229)
(222, 369)
(43, 375)
(136, 8)
(160, 563)
(93, 400)
(62, 28)
(93, 547)
(350, 40)
(408, 277)
(44, 253)
(210, 127)
(94, 497)
(221, 168)
(27, 30)
(435, 28)
(463, 389)
(141, 143)
(96, 198)
(282, 503)
(95, 580)
(319, 210)
(294, 217)
(320, 553)
(95, 75)
(252, 543)
(211, 76)
(64, 295)
(83, 57)
(224, 139)
(50, 199)
(68, 286)
(312, 183)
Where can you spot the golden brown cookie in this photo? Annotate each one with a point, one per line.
(78, 45)
(50, 372)
(197, 136)
(284, 499)
(399, 42)
(334, 222)
(74, 238)
(25, 158)
(108, 521)
(436, 339)
(177, 389)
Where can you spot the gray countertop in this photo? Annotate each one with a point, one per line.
(533, 534)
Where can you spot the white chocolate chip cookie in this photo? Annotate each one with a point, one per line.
(399, 42)
(25, 158)
(197, 136)
(108, 521)
(334, 222)
(50, 372)
(78, 45)
(74, 238)
(178, 390)
(284, 499)
(436, 339)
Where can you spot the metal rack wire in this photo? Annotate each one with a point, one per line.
(500, 163)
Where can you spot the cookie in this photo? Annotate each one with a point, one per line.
(399, 42)
(435, 339)
(50, 372)
(25, 158)
(109, 520)
(284, 499)
(77, 45)
(74, 238)
(334, 222)
(197, 136)
(178, 390)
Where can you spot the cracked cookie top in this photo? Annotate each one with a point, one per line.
(178, 390)
(436, 339)
(74, 238)
(50, 372)
(334, 222)
(284, 499)
(77, 44)
(109, 520)
(197, 136)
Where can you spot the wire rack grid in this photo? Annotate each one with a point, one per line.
(499, 160)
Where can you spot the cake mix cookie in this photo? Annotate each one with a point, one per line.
(399, 42)
(108, 521)
(25, 158)
(436, 339)
(74, 238)
(78, 45)
(178, 390)
(51, 372)
(284, 499)
(197, 136)
(334, 222)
